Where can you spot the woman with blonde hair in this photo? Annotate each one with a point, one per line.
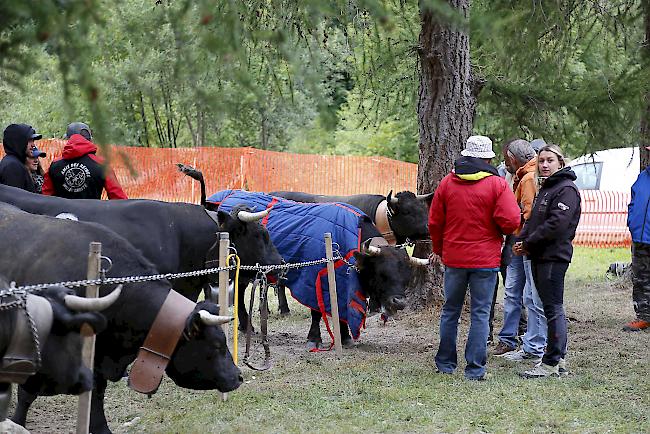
(547, 240)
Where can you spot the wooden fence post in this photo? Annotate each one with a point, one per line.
(224, 246)
(334, 306)
(88, 349)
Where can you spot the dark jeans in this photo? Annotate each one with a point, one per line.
(481, 286)
(641, 280)
(549, 280)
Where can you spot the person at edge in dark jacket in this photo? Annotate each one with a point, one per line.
(546, 239)
(472, 209)
(80, 173)
(638, 220)
(17, 139)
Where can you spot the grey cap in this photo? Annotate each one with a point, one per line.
(537, 144)
(79, 128)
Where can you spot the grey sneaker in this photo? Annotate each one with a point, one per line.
(561, 368)
(522, 356)
(541, 370)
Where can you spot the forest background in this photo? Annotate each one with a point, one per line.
(318, 77)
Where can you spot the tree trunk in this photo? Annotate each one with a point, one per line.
(446, 108)
(645, 115)
(144, 121)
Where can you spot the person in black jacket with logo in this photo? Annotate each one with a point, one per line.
(546, 239)
(17, 139)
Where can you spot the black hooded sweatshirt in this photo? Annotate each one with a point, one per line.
(12, 167)
(548, 233)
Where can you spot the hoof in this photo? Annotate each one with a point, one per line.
(284, 314)
(313, 346)
(347, 343)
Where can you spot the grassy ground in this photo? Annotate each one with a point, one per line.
(387, 382)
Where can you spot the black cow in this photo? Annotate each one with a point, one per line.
(176, 237)
(406, 214)
(58, 252)
(398, 218)
(57, 317)
(384, 270)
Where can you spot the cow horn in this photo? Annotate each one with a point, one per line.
(83, 304)
(424, 196)
(420, 262)
(390, 199)
(210, 319)
(246, 216)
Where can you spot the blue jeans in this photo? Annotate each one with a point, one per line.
(535, 337)
(514, 289)
(481, 287)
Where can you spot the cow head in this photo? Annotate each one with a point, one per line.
(408, 215)
(202, 360)
(62, 370)
(250, 238)
(384, 273)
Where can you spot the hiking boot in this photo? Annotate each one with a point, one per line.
(502, 348)
(522, 356)
(541, 370)
(561, 368)
(636, 326)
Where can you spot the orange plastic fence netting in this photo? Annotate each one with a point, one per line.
(603, 222)
(151, 173)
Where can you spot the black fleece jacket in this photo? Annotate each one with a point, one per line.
(548, 233)
(12, 167)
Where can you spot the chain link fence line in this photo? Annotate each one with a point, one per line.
(14, 291)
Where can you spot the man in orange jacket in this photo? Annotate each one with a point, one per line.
(472, 209)
(80, 173)
(519, 285)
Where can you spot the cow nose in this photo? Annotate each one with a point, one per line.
(399, 302)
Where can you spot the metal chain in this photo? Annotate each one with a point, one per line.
(169, 276)
(35, 339)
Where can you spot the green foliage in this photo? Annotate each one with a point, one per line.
(315, 76)
(567, 71)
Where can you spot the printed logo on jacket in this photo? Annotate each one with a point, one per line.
(75, 177)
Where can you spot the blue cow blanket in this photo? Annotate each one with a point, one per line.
(297, 231)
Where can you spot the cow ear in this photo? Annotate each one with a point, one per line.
(194, 324)
(360, 259)
(223, 218)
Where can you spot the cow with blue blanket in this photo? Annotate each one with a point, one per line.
(296, 229)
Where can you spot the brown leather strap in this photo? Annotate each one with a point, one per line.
(381, 221)
(149, 367)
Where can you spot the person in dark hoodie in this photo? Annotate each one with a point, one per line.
(547, 241)
(17, 140)
(80, 173)
(472, 209)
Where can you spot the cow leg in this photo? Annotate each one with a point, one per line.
(283, 304)
(314, 339)
(98, 422)
(25, 400)
(241, 308)
(346, 339)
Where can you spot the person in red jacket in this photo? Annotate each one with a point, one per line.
(472, 209)
(80, 173)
